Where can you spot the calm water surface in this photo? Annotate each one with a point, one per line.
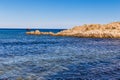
(45, 57)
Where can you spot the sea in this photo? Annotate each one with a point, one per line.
(45, 57)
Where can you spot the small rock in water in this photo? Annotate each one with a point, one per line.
(1, 72)
(19, 78)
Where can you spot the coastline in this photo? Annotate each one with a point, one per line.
(111, 30)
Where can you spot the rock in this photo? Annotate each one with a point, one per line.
(31, 32)
(37, 32)
(111, 30)
(19, 78)
(47, 33)
(1, 72)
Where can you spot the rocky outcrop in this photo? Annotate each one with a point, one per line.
(111, 30)
(37, 32)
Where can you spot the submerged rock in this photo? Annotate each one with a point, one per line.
(1, 72)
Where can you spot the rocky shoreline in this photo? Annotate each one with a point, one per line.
(37, 32)
(111, 30)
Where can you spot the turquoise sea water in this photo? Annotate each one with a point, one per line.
(45, 57)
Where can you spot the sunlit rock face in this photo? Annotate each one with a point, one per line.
(111, 30)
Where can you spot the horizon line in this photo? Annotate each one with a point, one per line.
(33, 28)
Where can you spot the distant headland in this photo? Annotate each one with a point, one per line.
(111, 30)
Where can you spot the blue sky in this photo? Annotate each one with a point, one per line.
(57, 13)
